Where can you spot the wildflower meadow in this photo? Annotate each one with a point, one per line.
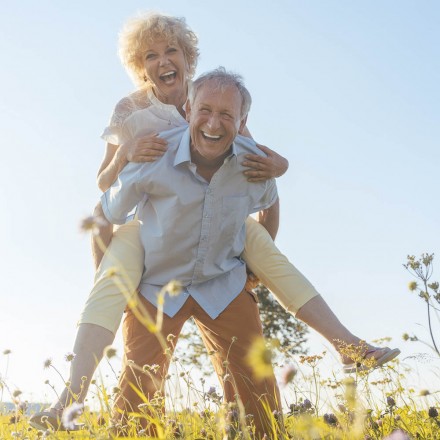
(371, 403)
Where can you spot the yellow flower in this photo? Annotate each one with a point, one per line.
(174, 287)
(412, 285)
(69, 357)
(93, 224)
(109, 352)
(259, 358)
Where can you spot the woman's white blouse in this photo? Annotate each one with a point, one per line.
(140, 114)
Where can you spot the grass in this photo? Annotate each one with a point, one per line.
(360, 406)
(376, 404)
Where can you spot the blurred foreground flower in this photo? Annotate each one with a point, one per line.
(109, 352)
(174, 287)
(398, 435)
(92, 223)
(289, 372)
(71, 413)
(69, 357)
(260, 358)
(412, 285)
(16, 393)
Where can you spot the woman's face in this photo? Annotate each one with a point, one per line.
(166, 68)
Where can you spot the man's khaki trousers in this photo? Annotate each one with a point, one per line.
(227, 338)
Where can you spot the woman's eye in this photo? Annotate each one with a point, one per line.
(150, 56)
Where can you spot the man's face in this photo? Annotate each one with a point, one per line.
(214, 119)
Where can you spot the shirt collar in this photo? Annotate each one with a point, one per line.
(168, 107)
(183, 153)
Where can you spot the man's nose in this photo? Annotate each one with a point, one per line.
(214, 121)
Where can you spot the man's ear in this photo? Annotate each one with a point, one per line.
(242, 125)
(187, 110)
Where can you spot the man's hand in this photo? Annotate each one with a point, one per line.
(145, 149)
(264, 168)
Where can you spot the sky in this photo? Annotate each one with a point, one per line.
(347, 91)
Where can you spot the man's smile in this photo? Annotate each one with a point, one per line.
(210, 137)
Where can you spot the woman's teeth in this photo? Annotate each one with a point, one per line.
(169, 76)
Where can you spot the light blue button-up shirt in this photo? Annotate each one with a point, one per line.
(193, 231)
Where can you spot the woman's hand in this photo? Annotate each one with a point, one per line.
(144, 149)
(264, 168)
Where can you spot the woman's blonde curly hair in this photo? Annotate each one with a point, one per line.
(139, 32)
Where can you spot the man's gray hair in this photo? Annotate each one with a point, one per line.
(223, 79)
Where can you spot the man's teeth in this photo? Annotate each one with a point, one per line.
(210, 136)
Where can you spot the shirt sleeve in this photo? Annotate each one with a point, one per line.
(269, 196)
(113, 133)
(128, 190)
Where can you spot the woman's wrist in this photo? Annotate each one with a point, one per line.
(121, 157)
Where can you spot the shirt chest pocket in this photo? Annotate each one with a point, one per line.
(235, 210)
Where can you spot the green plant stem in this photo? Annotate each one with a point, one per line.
(430, 328)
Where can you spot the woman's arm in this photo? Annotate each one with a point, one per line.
(263, 168)
(144, 149)
(111, 166)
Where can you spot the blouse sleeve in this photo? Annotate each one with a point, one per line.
(113, 133)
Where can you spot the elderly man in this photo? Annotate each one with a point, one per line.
(192, 204)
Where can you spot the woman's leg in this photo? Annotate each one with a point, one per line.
(117, 279)
(295, 293)
(289, 286)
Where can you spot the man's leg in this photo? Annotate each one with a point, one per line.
(230, 336)
(145, 363)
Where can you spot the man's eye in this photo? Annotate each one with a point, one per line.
(204, 111)
(226, 116)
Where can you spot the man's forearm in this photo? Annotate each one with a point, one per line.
(270, 218)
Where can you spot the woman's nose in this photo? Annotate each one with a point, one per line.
(164, 60)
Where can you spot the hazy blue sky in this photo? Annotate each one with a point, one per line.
(347, 91)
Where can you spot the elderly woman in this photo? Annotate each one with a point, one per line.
(160, 53)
